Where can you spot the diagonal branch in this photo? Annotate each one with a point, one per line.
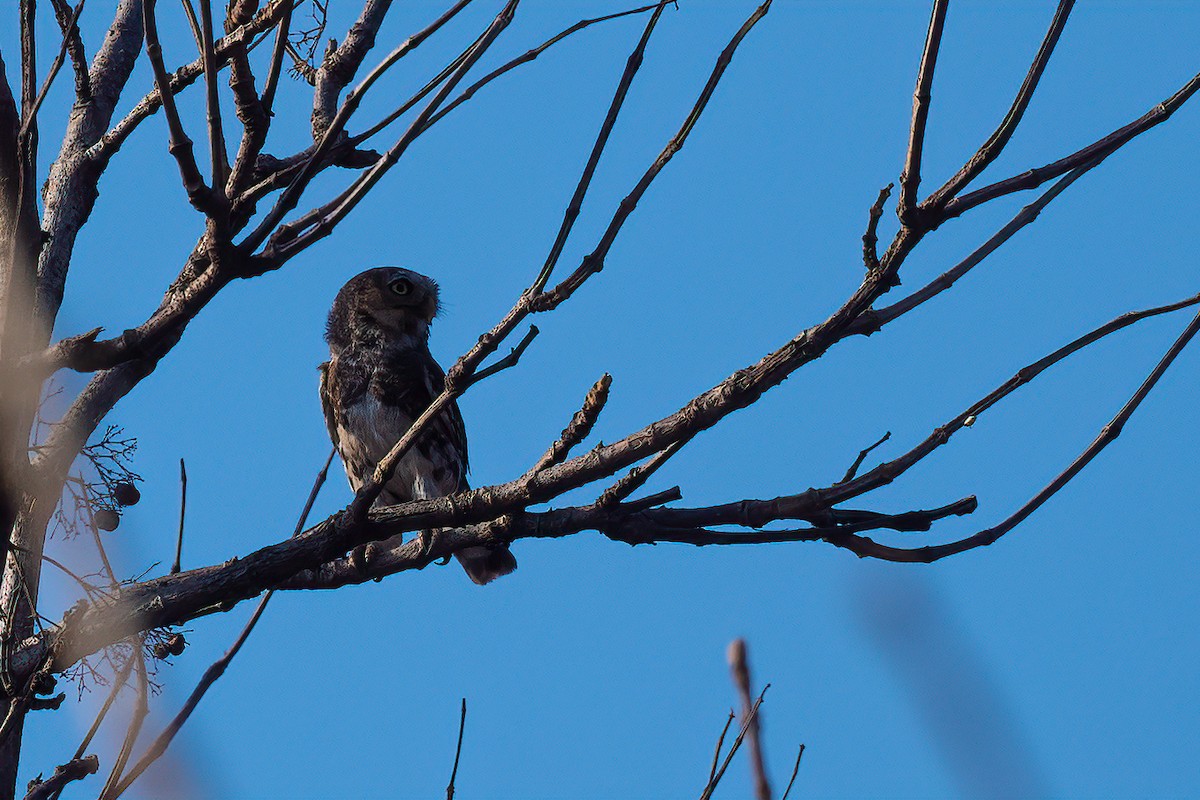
(872, 320)
(910, 178)
(470, 91)
(1099, 149)
(332, 132)
(594, 261)
(864, 546)
(180, 147)
(68, 21)
(632, 64)
(999, 138)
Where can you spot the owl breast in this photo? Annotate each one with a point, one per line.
(367, 429)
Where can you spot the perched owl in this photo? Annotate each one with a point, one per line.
(379, 378)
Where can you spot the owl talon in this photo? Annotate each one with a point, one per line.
(359, 558)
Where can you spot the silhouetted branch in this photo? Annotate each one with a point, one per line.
(999, 138)
(795, 771)
(159, 746)
(175, 565)
(862, 456)
(910, 179)
(747, 720)
(462, 724)
(1099, 149)
(73, 770)
(712, 773)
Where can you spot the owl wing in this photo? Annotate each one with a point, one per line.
(450, 423)
(327, 404)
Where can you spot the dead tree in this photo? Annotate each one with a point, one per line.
(258, 214)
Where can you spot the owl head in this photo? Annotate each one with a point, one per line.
(380, 304)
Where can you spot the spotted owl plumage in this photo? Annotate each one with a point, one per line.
(379, 378)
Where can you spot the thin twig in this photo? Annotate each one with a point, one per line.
(140, 709)
(712, 772)
(795, 771)
(578, 428)
(737, 742)
(68, 21)
(886, 472)
(594, 261)
(275, 69)
(470, 91)
(995, 143)
(637, 476)
(872, 320)
(31, 118)
(175, 566)
(910, 178)
(632, 64)
(1031, 179)
(509, 360)
(216, 133)
(292, 194)
(862, 456)
(462, 724)
(159, 746)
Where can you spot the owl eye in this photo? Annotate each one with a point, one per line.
(401, 286)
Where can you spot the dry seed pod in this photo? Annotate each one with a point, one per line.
(126, 494)
(107, 519)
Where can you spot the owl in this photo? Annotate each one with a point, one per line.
(379, 378)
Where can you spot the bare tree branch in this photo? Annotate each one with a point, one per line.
(68, 20)
(999, 138)
(74, 770)
(462, 724)
(795, 772)
(217, 669)
(1099, 149)
(739, 665)
(747, 720)
(910, 178)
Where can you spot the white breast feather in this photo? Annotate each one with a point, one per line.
(369, 431)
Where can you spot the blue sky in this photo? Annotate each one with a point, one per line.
(1060, 661)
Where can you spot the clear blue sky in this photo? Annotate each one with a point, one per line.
(1061, 661)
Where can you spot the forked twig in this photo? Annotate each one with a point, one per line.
(737, 742)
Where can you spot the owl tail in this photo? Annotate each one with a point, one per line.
(484, 565)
